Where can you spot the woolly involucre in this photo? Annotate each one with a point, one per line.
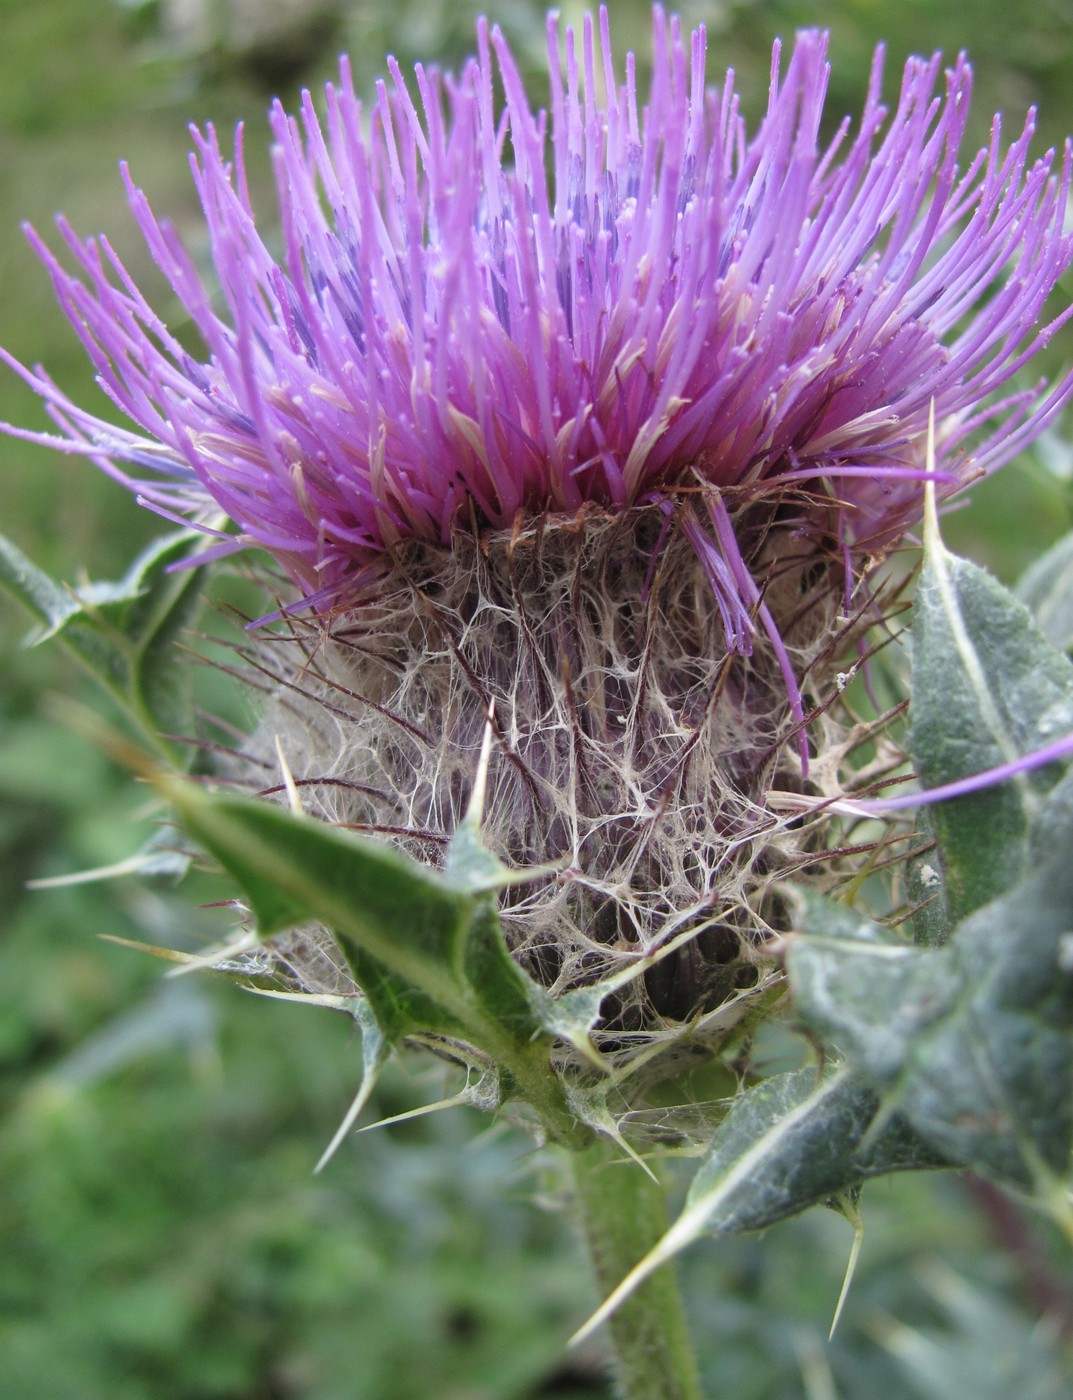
(633, 749)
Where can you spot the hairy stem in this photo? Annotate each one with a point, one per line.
(623, 1213)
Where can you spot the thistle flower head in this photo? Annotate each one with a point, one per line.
(481, 310)
(591, 412)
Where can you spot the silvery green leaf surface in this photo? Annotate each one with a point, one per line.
(815, 913)
(1046, 589)
(991, 1083)
(123, 632)
(988, 688)
(1053, 826)
(971, 1043)
(869, 999)
(925, 887)
(793, 1141)
(967, 1031)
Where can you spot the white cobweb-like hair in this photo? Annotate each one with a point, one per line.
(632, 750)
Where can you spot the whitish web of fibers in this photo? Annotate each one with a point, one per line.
(632, 750)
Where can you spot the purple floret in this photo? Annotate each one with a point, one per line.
(452, 337)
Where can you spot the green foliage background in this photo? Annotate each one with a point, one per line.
(161, 1235)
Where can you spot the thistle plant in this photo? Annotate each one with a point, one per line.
(586, 446)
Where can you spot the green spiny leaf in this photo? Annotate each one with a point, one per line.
(428, 956)
(505, 992)
(793, 1141)
(294, 869)
(987, 689)
(971, 1043)
(160, 682)
(50, 604)
(123, 632)
(870, 1001)
(787, 1143)
(991, 1084)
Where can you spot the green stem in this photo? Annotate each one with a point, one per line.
(623, 1213)
(539, 1087)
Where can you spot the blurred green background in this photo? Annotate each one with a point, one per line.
(161, 1234)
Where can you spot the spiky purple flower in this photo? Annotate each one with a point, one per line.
(589, 421)
(450, 337)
